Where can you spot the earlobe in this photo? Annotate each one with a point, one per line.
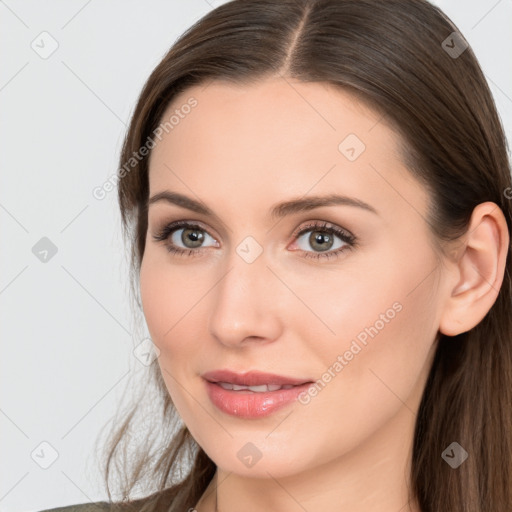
(479, 271)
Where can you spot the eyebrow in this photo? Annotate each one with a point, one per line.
(278, 211)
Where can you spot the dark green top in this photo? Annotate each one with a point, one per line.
(160, 503)
(97, 506)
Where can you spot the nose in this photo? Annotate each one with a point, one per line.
(246, 304)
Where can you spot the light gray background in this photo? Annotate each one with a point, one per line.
(66, 326)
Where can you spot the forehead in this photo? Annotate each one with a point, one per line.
(277, 137)
(271, 110)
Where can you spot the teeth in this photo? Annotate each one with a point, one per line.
(257, 389)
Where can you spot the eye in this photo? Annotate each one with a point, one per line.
(322, 238)
(190, 235)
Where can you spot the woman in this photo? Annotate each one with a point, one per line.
(318, 196)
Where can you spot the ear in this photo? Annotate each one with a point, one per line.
(478, 271)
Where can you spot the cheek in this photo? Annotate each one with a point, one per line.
(174, 310)
(165, 302)
(375, 294)
(157, 301)
(384, 320)
(165, 298)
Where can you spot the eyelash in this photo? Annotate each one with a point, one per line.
(345, 236)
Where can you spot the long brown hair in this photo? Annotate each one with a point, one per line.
(402, 58)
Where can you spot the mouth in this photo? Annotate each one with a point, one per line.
(249, 400)
(263, 388)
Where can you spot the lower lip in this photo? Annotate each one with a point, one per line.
(251, 404)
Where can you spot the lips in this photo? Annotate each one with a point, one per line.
(253, 394)
(253, 378)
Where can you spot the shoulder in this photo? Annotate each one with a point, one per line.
(158, 501)
(99, 506)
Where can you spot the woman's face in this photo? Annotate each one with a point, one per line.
(251, 293)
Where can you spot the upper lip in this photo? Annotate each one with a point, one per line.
(252, 378)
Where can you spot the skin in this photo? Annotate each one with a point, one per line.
(240, 151)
